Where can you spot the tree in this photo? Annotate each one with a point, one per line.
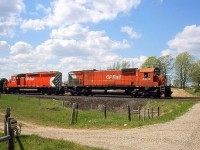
(195, 73)
(118, 65)
(166, 64)
(182, 68)
(151, 62)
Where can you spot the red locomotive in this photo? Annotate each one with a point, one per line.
(133, 81)
(38, 82)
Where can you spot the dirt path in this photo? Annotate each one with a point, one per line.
(180, 93)
(182, 133)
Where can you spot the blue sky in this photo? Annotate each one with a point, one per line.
(67, 35)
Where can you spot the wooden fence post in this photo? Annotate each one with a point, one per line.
(11, 143)
(76, 117)
(144, 114)
(63, 103)
(158, 111)
(148, 114)
(105, 112)
(91, 106)
(73, 113)
(129, 113)
(152, 112)
(138, 112)
(5, 121)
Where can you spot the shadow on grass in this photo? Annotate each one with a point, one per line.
(20, 143)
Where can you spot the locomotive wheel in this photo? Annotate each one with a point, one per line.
(86, 93)
(157, 95)
(79, 91)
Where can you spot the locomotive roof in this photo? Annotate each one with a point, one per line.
(104, 70)
(147, 70)
(42, 72)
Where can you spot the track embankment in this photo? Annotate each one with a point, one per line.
(182, 133)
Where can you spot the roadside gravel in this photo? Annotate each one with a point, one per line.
(180, 134)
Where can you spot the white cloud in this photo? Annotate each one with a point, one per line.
(67, 12)
(84, 49)
(187, 40)
(4, 46)
(41, 7)
(138, 61)
(10, 11)
(21, 48)
(37, 24)
(11, 7)
(75, 31)
(129, 30)
(76, 40)
(168, 52)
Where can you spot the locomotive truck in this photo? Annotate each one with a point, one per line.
(37, 82)
(133, 81)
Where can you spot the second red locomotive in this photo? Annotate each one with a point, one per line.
(38, 82)
(135, 82)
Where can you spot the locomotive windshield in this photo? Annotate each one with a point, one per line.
(71, 76)
(156, 72)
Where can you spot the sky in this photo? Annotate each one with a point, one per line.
(68, 35)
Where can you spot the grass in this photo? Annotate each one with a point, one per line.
(191, 91)
(33, 142)
(52, 113)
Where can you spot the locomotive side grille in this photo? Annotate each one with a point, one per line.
(58, 80)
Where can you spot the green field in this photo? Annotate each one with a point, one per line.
(34, 142)
(52, 113)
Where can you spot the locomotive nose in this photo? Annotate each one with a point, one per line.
(51, 81)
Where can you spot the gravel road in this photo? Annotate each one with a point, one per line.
(180, 134)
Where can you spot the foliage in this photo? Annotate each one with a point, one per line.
(195, 73)
(151, 62)
(118, 65)
(33, 142)
(166, 64)
(182, 67)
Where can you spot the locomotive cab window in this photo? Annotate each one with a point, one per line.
(13, 78)
(156, 72)
(146, 75)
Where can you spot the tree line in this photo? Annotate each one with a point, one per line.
(184, 70)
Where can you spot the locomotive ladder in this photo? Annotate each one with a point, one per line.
(162, 88)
